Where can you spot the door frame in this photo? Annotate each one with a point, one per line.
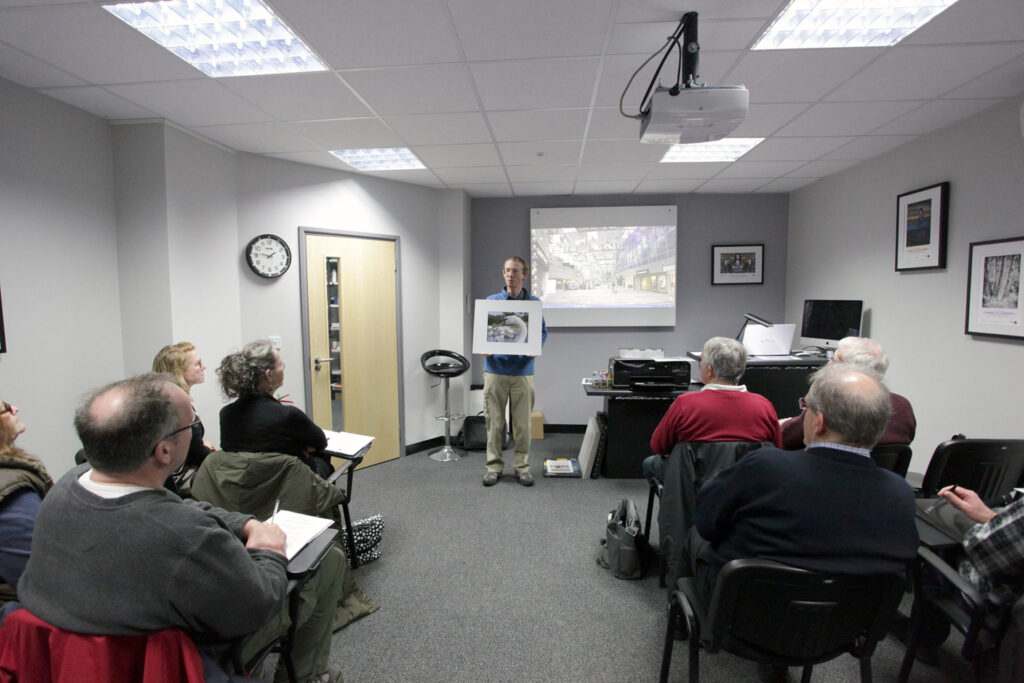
(304, 310)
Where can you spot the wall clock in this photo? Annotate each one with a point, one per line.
(268, 256)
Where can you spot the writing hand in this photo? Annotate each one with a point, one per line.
(967, 502)
(260, 536)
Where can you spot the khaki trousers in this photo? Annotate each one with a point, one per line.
(517, 392)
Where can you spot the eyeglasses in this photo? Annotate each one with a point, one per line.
(6, 407)
(804, 405)
(191, 425)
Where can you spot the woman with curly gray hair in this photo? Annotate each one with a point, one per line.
(256, 422)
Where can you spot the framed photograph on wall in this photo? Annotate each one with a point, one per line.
(508, 326)
(994, 306)
(3, 339)
(921, 221)
(737, 264)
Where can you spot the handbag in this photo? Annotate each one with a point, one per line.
(624, 548)
(473, 436)
(367, 534)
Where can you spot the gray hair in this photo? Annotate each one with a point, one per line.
(858, 417)
(727, 358)
(863, 352)
(121, 442)
(240, 372)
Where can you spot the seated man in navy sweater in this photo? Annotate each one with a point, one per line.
(829, 508)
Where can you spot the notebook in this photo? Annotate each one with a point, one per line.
(776, 340)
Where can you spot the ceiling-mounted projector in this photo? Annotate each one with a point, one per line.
(695, 114)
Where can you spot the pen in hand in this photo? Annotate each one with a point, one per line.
(942, 500)
(277, 504)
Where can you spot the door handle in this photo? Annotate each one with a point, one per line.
(318, 361)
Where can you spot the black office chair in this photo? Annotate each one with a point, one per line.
(450, 365)
(894, 457)
(965, 608)
(775, 614)
(990, 467)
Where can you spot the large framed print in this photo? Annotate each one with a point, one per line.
(508, 326)
(737, 264)
(994, 306)
(921, 225)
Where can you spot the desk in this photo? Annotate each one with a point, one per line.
(632, 418)
(350, 448)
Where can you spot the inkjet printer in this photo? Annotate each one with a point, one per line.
(650, 374)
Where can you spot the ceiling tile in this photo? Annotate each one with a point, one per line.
(784, 185)
(101, 102)
(612, 151)
(647, 38)
(68, 38)
(909, 73)
(428, 89)
(618, 69)
(192, 102)
(452, 156)
(440, 129)
(363, 133)
(559, 172)
(536, 83)
(606, 172)
(487, 189)
(321, 159)
(797, 75)
(418, 176)
(541, 189)
(531, 28)
(732, 185)
(819, 169)
(359, 33)
(259, 138)
(299, 97)
(932, 116)
(663, 10)
(606, 123)
(538, 124)
(795, 149)
(30, 72)
(541, 153)
(667, 186)
(868, 146)
(477, 174)
(764, 118)
(972, 21)
(1002, 82)
(846, 118)
(605, 186)
(701, 171)
(759, 169)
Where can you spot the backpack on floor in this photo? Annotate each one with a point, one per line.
(624, 548)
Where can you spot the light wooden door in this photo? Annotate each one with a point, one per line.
(367, 315)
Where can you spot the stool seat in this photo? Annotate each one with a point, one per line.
(445, 364)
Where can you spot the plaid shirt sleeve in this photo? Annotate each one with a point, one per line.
(995, 556)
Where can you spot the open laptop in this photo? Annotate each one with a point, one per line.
(776, 340)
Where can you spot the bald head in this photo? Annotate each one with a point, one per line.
(854, 402)
(120, 424)
(862, 352)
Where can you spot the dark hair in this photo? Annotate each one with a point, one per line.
(239, 373)
(520, 260)
(859, 417)
(121, 442)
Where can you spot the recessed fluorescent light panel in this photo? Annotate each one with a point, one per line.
(383, 159)
(221, 37)
(806, 24)
(727, 149)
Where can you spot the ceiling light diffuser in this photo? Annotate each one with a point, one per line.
(806, 24)
(382, 159)
(728, 149)
(221, 37)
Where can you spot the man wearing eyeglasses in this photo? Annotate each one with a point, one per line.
(116, 553)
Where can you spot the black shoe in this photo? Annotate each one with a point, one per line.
(491, 478)
(900, 629)
(772, 673)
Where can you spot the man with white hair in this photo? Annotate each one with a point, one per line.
(865, 353)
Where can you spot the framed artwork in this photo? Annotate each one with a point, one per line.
(921, 219)
(737, 264)
(994, 306)
(507, 326)
(3, 339)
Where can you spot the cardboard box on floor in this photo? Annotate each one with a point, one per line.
(536, 425)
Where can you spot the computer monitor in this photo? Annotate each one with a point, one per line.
(826, 321)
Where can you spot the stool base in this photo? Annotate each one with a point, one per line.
(445, 454)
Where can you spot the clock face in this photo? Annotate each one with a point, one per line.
(268, 256)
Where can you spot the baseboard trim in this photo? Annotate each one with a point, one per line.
(565, 429)
(420, 446)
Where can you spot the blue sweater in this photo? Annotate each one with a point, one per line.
(500, 364)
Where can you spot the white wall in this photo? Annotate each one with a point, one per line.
(455, 315)
(841, 245)
(58, 266)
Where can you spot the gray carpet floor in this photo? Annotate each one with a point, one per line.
(501, 584)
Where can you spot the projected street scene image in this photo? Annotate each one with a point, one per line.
(508, 327)
(604, 266)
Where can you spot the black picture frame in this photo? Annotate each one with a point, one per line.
(3, 338)
(995, 307)
(922, 223)
(737, 264)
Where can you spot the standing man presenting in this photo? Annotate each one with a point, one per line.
(509, 380)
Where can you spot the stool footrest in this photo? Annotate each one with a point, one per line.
(456, 416)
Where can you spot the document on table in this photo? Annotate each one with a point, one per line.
(300, 529)
(346, 442)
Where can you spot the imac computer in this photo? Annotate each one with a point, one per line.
(826, 321)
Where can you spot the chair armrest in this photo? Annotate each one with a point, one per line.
(309, 558)
(970, 594)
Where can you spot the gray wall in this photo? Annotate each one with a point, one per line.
(841, 242)
(501, 228)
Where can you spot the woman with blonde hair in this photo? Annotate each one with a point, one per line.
(23, 483)
(182, 362)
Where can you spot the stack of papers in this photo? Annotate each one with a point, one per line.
(562, 468)
(346, 443)
(299, 528)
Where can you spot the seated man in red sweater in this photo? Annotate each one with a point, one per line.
(722, 411)
(865, 353)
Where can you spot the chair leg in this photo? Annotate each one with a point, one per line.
(865, 670)
(670, 636)
(650, 511)
(694, 658)
(805, 677)
(350, 535)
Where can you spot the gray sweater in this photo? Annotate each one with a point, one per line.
(145, 562)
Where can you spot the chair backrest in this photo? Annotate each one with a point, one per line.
(34, 650)
(990, 467)
(761, 608)
(894, 457)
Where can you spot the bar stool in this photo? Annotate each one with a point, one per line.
(450, 365)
